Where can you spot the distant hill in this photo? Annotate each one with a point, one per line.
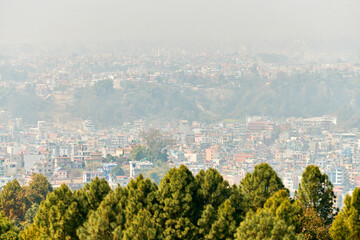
(300, 95)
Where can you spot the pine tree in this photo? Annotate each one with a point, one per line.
(12, 201)
(208, 217)
(211, 188)
(7, 228)
(32, 232)
(37, 189)
(239, 204)
(263, 225)
(10, 235)
(108, 221)
(313, 227)
(143, 227)
(346, 225)
(119, 209)
(58, 216)
(258, 186)
(91, 195)
(141, 195)
(225, 225)
(177, 194)
(31, 213)
(282, 207)
(316, 191)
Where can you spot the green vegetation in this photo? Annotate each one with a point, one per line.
(346, 224)
(26, 104)
(316, 191)
(16, 200)
(301, 95)
(183, 206)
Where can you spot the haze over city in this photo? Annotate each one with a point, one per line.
(169, 119)
(324, 24)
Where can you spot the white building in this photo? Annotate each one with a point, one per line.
(137, 167)
(90, 175)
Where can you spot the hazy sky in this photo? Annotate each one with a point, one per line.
(325, 21)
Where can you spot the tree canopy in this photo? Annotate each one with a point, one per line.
(316, 191)
(183, 206)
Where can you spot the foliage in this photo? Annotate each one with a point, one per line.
(212, 189)
(91, 195)
(58, 216)
(347, 223)
(7, 228)
(258, 186)
(31, 212)
(138, 153)
(156, 144)
(157, 173)
(177, 194)
(12, 200)
(16, 200)
(224, 227)
(282, 207)
(38, 188)
(184, 206)
(316, 191)
(263, 225)
(313, 226)
(107, 220)
(143, 227)
(304, 94)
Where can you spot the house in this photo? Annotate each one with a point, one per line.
(90, 175)
(136, 167)
(123, 181)
(61, 161)
(60, 173)
(94, 161)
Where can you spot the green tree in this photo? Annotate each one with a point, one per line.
(316, 191)
(10, 235)
(177, 194)
(110, 158)
(91, 195)
(108, 221)
(37, 189)
(156, 144)
(31, 213)
(58, 216)
(225, 225)
(103, 88)
(138, 153)
(119, 210)
(258, 186)
(157, 173)
(282, 207)
(12, 201)
(143, 227)
(346, 224)
(7, 228)
(263, 225)
(208, 217)
(33, 232)
(141, 195)
(211, 188)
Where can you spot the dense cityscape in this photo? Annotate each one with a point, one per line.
(69, 149)
(179, 120)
